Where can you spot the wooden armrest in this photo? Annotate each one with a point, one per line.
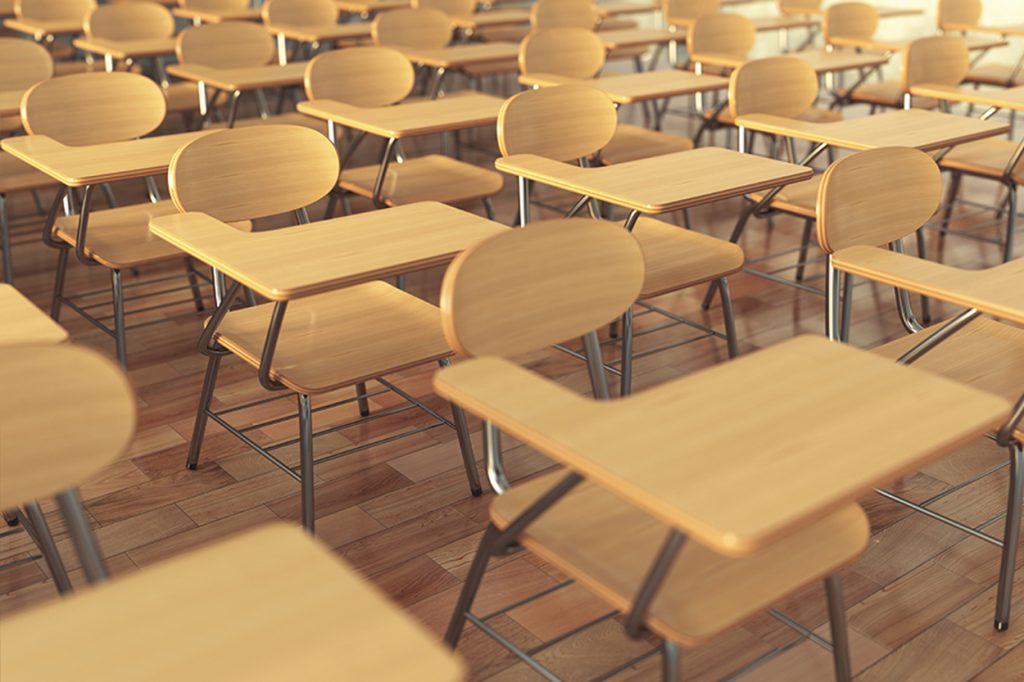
(998, 291)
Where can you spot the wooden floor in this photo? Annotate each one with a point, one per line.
(920, 599)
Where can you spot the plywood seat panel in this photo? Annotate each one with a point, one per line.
(985, 157)
(608, 546)
(994, 74)
(119, 237)
(675, 258)
(339, 338)
(799, 198)
(632, 142)
(427, 178)
(886, 94)
(814, 115)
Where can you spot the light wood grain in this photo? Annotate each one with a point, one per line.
(664, 183)
(496, 298)
(682, 13)
(631, 88)
(957, 15)
(86, 393)
(461, 56)
(27, 64)
(24, 323)
(916, 418)
(198, 616)
(301, 13)
(328, 254)
(608, 545)
(619, 39)
(567, 52)
(781, 86)
(368, 7)
(495, 17)
(216, 11)
(428, 29)
(434, 177)
(849, 23)
(414, 118)
(109, 107)
(130, 21)
(562, 123)
(242, 79)
(1008, 98)
(730, 35)
(231, 45)
(553, 14)
(611, 9)
(936, 59)
(127, 49)
(316, 33)
(360, 76)
(41, 18)
(987, 158)
(119, 238)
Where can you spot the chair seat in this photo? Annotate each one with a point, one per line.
(16, 175)
(994, 74)
(886, 94)
(986, 354)
(632, 142)
(617, 24)
(340, 338)
(181, 97)
(986, 157)
(491, 68)
(426, 178)
(800, 198)
(608, 546)
(119, 237)
(291, 118)
(502, 34)
(629, 52)
(676, 258)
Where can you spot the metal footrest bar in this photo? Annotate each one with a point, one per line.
(939, 517)
(146, 282)
(423, 406)
(381, 414)
(963, 484)
(566, 635)
(802, 629)
(253, 444)
(254, 403)
(516, 651)
(785, 281)
(761, 660)
(102, 327)
(279, 420)
(373, 444)
(20, 562)
(527, 600)
(681, 320)
(140, 297)
(625, 666)
(995, 519)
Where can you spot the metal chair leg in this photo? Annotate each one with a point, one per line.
(205, 397)
(193, 283)
(493, 459)
(837, 623)
(306, 462)
(805, 242)
(489, 208)
(1011, 222)
(847, 308)
(35, 525)
(922, 253)
(364, 404)
(58, 282)
(119, 333)
(737, 232)
(81, 536)
(471, 586)
(670, 661)
(947, 213)
(626, 379)
(731, 340)
(5, 241)
(1011, 537)
(465, 442)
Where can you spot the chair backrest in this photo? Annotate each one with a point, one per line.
(875, 197)
(420, 28)
(799, 6)
(689, 10)
(563, 14)
(361, 76)
(25, 63)
(783, 86)
(253, 172)
(725, 34)
(130, 21)
(530, 288)
(93, 393)
(954, 14)
(228, 45)
(572, 52)
(943, 60)
(453, 8)
(93, 108)
(217, 5)
(300, 12)
(53, 10)
(563, 123)
(856, 20)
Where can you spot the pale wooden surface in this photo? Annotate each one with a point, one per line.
(732, 456)
(496, 17)
(407, 120)
(245, 78)
(213, 16)
(781, 86)
(328, 254)
(370, 6)
(608, 545)
(231, 611)
(39, 28)
(924, 130)
(87, 394)
(127, 49)
(434, 177)
(662, 183)
(633, 37)
(871, 44)
(459, 56)
(364, 76)
(611, 9)
(1008, 98)
(564, 52)
(320, 32)
(119, 238)
(28, 63)
(301, 12)
(92, 164)
(24, 323)
(429, 29)
(674, 258)
(988, 158)
(10, 102)
(995, 290)
(496, 298)
(130, 21)
(636, 87)
(231, 45)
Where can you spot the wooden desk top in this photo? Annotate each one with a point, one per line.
(312, 34)
(65, 413)
(1016, 30)
(883, 12)
(820, 60)
(371, 6)
(216, 16)
(1008, 98)
(127, 49)
(247, 78)
(92, 164)
(660, 184)
(423, 117)
(24, 322)
(631, 37)
(611, 9)
(973, 44)
(268, 604)
(44, 27)
(10, 102)
(732, 455)
(998, 291)
(783, 23)
(307, 259)
(924, 130)
(636, 87)
(457, 56)
(495, 17)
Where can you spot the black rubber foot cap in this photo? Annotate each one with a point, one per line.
(364, 414)
(1001, 626)
(477, 492)
(191, 467)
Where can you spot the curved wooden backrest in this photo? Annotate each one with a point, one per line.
(563, 123)
(93, 108)
(361, 76)
(850, 20)
(130, 21)
(959, 12)
(572, 52)
(784, 86)
(689, 10)
(92, 402)
(300, 12)
(228, 45)
(563, 14)
(530, 288)
(943, 60)
(53, 10)
(453, 8)
(248, 173)
(25, 63)
(421, 28)
(217, 5)
(728, 34)
(799, 6)
(875, 197)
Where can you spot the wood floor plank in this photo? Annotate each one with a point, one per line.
(942, 653)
